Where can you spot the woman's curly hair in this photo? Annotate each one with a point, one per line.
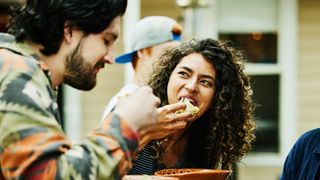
(224, 134)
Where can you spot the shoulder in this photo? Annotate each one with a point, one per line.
(6, 38)
(14, 62)
(125, 90)
(313, 132)
(20, 76)
(310, 136)
(302, 156)
(307, 144)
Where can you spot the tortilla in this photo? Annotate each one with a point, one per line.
(194, 110)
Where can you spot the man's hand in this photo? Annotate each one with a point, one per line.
(169, 122)
(139, 109)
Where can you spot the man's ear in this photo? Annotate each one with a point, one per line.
(140, 53)
(146, 52)
(67, 32)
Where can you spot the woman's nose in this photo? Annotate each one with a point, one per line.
(192, 85)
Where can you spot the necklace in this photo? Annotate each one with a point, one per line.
(171, 144)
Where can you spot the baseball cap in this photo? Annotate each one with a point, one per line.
(151, 31)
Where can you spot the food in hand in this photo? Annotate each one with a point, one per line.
(194, 110)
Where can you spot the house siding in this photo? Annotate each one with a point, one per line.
(308, 66)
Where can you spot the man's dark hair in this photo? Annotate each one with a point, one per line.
(43, 21)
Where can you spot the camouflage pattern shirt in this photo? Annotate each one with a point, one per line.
(32, 143)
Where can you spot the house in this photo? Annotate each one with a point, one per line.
(281, 39)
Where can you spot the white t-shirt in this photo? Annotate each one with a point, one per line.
(124, 91)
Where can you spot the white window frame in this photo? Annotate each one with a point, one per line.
(286, 68)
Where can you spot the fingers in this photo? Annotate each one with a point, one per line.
(148, 91)
(164, 128)
(170, 117)
(173, 107)
(160, 131)
(178, 125)
(168, 113)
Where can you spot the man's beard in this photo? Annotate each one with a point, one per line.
(79, 73)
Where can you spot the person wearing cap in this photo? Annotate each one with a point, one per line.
(149, 38)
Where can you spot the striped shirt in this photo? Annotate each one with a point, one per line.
(145, 164)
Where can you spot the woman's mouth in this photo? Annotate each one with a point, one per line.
(191, 100)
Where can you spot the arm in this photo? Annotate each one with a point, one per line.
(32, 144)
(103, 154)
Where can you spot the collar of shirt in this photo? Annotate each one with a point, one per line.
(25, 50)
(21, 48)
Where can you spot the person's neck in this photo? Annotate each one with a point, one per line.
(175, 138)
(56, 68)
(139, 80)
(173, 148)
(53, 63)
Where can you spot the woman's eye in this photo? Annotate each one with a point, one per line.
(183, 74)
(206, 83)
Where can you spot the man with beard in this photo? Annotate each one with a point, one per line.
(56, 42)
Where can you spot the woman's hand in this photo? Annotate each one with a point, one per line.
(168, 123)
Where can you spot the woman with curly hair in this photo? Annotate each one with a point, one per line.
(210, 75)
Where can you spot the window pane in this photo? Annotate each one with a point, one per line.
(259, 47)
(266, 95)
(247, 16)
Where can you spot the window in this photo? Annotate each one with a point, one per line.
(266, 95)
(258, 38)
(259, 47)
(262, 48)
(265, 30)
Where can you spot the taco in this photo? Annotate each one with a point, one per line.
(194, 110)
